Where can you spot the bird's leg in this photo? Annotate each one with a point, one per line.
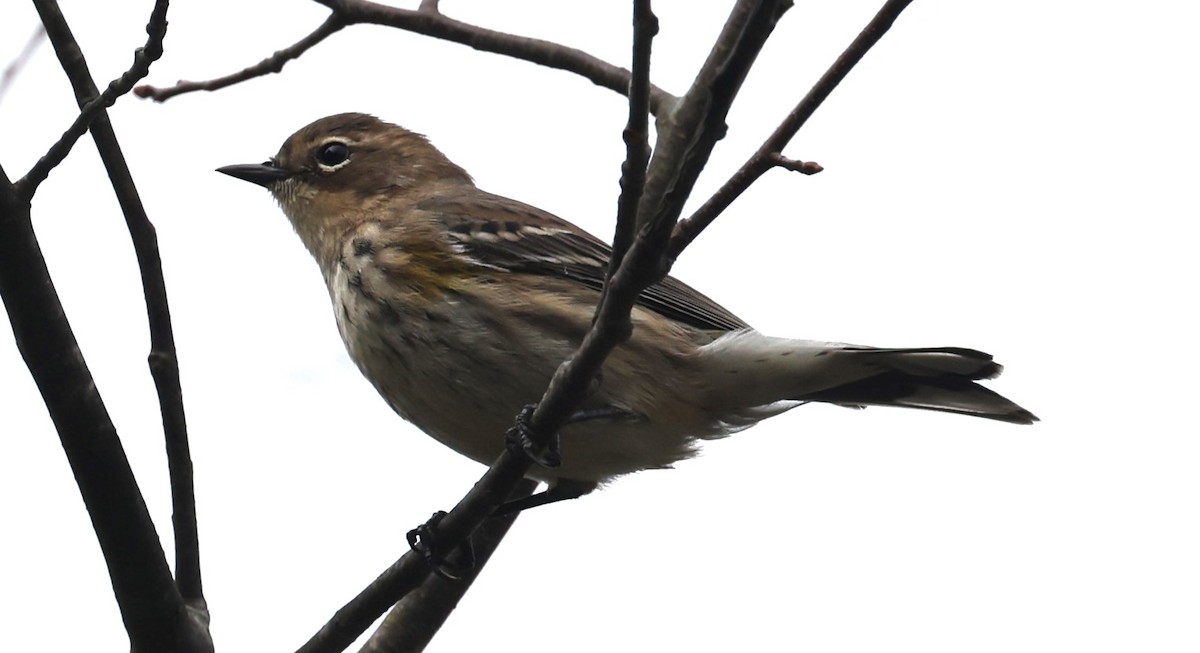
(519, 440)
(423, 539)
(604, 412)
(562, 490)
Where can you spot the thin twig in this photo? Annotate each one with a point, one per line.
(538, 51)
(18, 64)
(142, 58)
(429, 21)
(271, 64)
(769, 154)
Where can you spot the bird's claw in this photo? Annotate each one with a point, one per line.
(519, 440)
(424, 540)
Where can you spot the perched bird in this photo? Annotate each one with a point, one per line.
(458, 305)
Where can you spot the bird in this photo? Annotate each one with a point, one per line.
(458, 305)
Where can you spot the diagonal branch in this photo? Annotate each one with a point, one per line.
(142, 58)
(685, 144)
(685, 141)
(411, 570)
(271, 64)
(770, 155)
(429, 21)
(417, 617)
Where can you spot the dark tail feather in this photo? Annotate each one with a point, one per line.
(750, 374)
(941, 379)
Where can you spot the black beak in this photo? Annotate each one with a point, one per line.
(264, 174)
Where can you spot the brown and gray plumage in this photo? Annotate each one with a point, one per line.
(458, 305)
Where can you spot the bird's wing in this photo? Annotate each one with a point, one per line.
(514, 236)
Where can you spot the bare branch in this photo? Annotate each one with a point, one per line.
(14, 68)
(411, 570)
(769, 154)
(142, 58)
(686, 141)
(636, 134)
(429, 21)
(162, 358)
(416, 618)
(142, 582)
(271, 64)
(154, 614)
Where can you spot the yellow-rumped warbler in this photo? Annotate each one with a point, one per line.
(458, 305)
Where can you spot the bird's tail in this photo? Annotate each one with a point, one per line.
(748, 371)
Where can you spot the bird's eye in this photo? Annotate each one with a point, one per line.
(333, 154)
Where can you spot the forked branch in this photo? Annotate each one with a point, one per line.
(142, 58)
(160, 613)
(271, 64)
(770, 154)
(428, 20)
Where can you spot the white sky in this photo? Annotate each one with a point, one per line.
(1015, 177)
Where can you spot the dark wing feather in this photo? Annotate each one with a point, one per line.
(507, 234)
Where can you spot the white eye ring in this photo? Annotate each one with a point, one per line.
(333, 155)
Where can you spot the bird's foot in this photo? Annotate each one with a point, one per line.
(424, 540)
(519, 440)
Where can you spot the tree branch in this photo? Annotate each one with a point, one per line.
(192, 633)
(417, 617)
(687, 141)
(154, 614)
(271, 64)
(98, 102)
(410, 571)
(429, 21)
(636, 134)
(770, 153)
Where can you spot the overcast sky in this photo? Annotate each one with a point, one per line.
(1015, 177)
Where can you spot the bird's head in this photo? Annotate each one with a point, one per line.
(341, 169)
